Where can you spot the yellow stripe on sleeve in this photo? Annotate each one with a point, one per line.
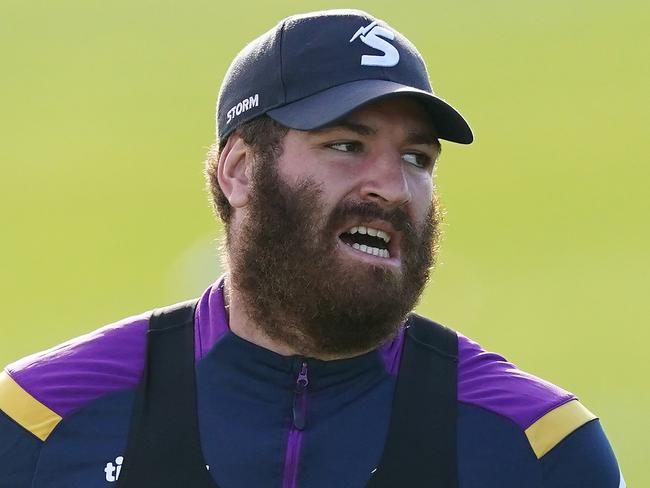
(25, 409)
(549, 430)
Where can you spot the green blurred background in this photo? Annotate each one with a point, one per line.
(108, 109)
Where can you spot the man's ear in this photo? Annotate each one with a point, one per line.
(234, 171)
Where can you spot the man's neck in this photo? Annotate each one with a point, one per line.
(241, 325)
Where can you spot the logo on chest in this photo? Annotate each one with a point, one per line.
(113, 469)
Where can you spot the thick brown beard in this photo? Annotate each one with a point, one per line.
(283, 265)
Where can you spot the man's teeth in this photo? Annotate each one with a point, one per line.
(370, 231)
(373, 251)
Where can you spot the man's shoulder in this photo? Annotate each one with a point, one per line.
(567, 442)
(565, 438)
(545, 412)
(38, 391)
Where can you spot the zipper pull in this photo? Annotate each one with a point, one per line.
(299, 398)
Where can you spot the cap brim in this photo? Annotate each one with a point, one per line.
(329, 105)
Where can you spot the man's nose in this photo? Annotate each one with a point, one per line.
(385, 182)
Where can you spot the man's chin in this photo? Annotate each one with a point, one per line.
(362, 283)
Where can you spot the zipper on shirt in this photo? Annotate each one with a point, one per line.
(299, 397)
(298, 423)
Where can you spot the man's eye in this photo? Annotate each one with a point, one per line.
(346, 146)
(417, 159)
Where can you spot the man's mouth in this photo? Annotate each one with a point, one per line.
(369, 240)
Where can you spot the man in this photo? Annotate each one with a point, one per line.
(296, 367)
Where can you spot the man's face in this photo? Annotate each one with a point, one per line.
(381, 155)
(338, 238)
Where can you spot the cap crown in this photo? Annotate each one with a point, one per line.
(306, 54)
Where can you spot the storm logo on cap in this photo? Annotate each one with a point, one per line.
(370, 35)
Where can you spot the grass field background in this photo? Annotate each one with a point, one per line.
(108, 108)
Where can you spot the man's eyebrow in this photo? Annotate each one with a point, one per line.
(424, 137)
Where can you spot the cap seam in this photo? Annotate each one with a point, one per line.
(282, 84)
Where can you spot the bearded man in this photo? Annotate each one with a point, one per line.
(303, 365)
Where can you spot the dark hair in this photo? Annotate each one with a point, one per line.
(264, 135)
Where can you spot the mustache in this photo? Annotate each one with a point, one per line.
(397, 217)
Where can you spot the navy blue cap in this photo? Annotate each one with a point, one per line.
(312, 69)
